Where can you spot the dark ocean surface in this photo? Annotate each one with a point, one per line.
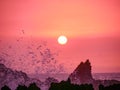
(64, 76)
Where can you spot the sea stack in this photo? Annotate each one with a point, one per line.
(82, 74)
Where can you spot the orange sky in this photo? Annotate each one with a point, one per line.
(92, 28)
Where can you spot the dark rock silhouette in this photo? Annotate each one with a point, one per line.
(22, 87)
(82, 74)
(66, 85)
(33, 86)
(111, 87)
(5, 88)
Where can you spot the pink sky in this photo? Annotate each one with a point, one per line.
(92, 28)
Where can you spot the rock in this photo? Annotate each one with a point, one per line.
(82, 74)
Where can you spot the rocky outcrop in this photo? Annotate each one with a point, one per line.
(82, 74)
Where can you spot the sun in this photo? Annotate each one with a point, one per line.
(62, 40)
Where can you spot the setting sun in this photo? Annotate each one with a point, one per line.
(62, 40)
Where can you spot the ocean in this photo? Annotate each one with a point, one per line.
(107, 76)
(64, 76)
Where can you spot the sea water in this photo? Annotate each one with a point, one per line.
(64, 76)
(107, 76)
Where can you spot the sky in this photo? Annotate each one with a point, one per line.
(91, 26)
